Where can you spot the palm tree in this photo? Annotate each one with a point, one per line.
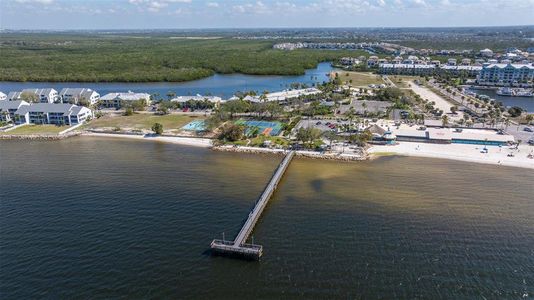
(445, 120)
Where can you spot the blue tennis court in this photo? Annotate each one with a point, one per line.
(197, 125)
(264, 127)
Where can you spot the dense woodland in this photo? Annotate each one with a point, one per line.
(67, 57)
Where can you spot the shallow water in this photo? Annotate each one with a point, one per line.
(107, 218)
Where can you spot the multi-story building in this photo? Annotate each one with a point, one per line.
(428, 69)
(407, 69)
(468, 71)
(8, 109)
(76, 95)
(52, 113)
(48, 95)
(118, 100)
(506, 75)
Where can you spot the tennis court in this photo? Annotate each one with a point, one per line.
(197, 125)
(264, 127)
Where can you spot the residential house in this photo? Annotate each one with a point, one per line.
(3, 96)
(486, 53)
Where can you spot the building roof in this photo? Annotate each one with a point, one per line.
(407, 66)
(467, 68)
(515, 66)
(130, 96)
(63, 108)
(182, 99)
(439, 134)
(482, 137)
(5, 105)
(77, 92)
(45, 91)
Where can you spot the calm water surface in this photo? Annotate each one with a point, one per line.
(106, 218)
(527, 103)
(223, 85)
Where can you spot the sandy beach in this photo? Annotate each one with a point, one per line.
(462, 152)
(196, 142)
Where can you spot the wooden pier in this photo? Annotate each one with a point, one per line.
(238, 247)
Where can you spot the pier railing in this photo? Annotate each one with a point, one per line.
(238, 247)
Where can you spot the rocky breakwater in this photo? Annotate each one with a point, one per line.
(38, 137)
(355, 156)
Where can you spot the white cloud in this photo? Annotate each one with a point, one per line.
(419, 2)
(212, 4)
(155, 5)
(252, 8)
(35, 1)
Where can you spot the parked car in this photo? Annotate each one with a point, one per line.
(527, 129)
(318, 123)
(531, 142)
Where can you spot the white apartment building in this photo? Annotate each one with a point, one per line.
(74, 95)
(47, 95)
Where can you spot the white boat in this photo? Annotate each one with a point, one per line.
(514, 92)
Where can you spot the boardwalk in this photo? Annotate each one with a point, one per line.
(238, 247)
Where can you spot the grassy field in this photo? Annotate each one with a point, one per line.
(92, 58)
(142, 121)
(37, 129)
(360, 79)
(402, 80)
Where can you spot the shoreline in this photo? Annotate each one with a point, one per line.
(196, 142)
(459, 152)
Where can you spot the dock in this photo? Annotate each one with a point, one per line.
(238, 247)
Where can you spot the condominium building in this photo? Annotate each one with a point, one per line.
(8, 109)
(428, 69)
(407, 69)
(47, 95)
(468, 71)
(506, 75)
(75, 95)
(52, 113)
(118, 100)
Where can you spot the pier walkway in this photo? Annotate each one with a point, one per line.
(238, 247)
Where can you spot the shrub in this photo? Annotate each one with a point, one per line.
(157, 128)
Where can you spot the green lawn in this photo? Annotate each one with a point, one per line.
(402, 81)
(142, 121)
(359, 79)
(37, 129)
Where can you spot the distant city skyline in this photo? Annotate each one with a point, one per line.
(188, 14)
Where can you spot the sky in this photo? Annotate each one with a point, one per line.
(185, 14)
